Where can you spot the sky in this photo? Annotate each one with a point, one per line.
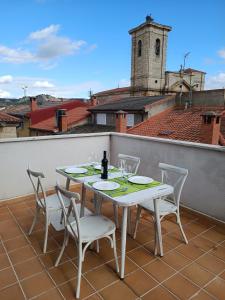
(67, 47)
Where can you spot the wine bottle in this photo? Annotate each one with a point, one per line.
(104, 171)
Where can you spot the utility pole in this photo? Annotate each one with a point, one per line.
(24, 88)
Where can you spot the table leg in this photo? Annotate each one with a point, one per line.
(123, 241)
(129, 221)
(158, 226)
(67, 184)
(83, 198)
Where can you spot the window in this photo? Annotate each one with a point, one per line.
(130, 120)
(139, 48)
(101, 119)
(157, 47)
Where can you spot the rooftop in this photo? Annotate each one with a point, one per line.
(178, 124)
(128, 104)
(6, 118)
(114, 91)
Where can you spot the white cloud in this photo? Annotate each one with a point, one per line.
(6, 79)
(215, 82)
(222, 53)
(4, 94)
(44, 33)
(47, 47)
(43, 84)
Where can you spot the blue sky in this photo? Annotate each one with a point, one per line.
(67, 47)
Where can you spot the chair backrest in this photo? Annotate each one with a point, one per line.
(174, 176)
(36, 181)
(72, 209)
(129, 163)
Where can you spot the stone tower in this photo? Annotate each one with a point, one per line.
(148, 60)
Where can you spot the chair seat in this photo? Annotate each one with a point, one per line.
(93, 227)
(164, 206)
(55, 217)
(52, 202)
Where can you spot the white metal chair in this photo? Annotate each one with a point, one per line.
(84, 231)
(129, 164)
(176, 177)
(48, 205)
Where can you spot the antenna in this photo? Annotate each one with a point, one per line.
(24, 88)
(185, 57)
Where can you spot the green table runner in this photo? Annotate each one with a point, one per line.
(91, 171)
(127, 187)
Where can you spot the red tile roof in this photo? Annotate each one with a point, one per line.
(8, 119)
(44, 119)
(190, 70)
(112, 91)
(178, 124)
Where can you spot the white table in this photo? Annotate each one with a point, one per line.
(125, 202)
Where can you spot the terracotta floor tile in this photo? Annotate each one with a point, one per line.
(222, 275)
(211, 263)
(198, 227)
(118, 291)
(5, 216)
(130, 266)
(7, 277)
(176, 260)
(2, 250)
(12, 293)
(96, 296)
(49, 259)
(141, 256)
(63, 272)
(145, 236)
(190, 251)
(39, 283)
(131, 244)
(197, 274)
(202, 243)
(9, 230)
(139, 282)
(16, 243)
(159, 270)
(202, 295)
(68, 289)
(158, 293)
(216, 288)
(214, 235)
(169, 226)
(51, 246)
(91, 260)
(106, 252)
(28, 268)
(4, 262)
(51, 294)
(21, 254)
(180, 286)
(219, 252)
(101, 277)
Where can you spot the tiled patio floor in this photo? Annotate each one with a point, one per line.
(193, 271)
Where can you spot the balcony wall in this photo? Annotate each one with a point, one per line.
(44, 154)
(204, 189)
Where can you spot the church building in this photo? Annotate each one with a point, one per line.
(148, 67)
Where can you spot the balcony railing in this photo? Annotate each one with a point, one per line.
(204, 190)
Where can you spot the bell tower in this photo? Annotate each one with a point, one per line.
(148, 58)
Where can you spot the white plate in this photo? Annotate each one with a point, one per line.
(106, 185)
(75, 170)
(99, 167)
(140, 179)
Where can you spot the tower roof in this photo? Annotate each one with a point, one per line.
(149, 22)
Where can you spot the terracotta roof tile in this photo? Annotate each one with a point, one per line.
(8, 119)
(178, 124)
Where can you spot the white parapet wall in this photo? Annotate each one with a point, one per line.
(44, 154)
(204, 189)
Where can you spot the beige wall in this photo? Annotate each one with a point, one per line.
(8, 132)
(173, 80)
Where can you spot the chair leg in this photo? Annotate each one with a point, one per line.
(79, 271)
(181, 228)
(137, 221)
(97, 246)
(35, 220)
(115, 209)
(46, 233)
(115, 252)
(65, 242)
(156, 240)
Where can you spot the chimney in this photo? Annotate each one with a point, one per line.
(61, 120)
(33, 104)
(94, 101)
(210, 127)
(121, 121)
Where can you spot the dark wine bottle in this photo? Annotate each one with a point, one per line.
(104, 172)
